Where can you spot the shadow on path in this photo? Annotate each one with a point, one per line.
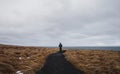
(57, 64)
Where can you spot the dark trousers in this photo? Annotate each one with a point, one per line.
(60, 49)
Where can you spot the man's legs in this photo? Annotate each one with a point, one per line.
(60, 49)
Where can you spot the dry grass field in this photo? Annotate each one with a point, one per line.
(95, 61)
(24, 59)
(30, 59)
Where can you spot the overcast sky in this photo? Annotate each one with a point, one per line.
(48, 22)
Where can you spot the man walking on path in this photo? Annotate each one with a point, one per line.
(60, 47)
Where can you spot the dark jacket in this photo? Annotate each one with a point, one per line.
(60, 45)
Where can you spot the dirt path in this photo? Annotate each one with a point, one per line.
(57, 64)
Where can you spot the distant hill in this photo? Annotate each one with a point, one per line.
(6, 45)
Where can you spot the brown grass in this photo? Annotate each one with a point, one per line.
(33, 58)
(95, 61)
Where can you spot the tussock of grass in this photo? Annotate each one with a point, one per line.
(6, 68)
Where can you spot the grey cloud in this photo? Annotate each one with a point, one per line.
(72, 22)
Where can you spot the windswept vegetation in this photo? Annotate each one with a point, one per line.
(30, 59)
(95, 61)
(25, 59)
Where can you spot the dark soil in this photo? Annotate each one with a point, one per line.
(57, 64)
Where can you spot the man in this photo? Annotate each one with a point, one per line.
(60, 47)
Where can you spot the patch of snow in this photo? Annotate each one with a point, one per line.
(20, 58)
(19, 72)
(28, 57)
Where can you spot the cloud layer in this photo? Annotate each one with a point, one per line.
(48, 22)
